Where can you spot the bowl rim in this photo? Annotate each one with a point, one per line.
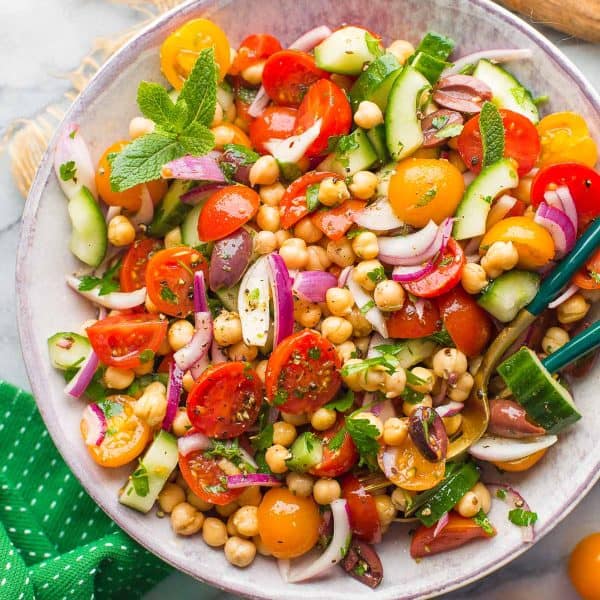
(123, 57)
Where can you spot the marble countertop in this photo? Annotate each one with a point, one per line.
(34, 58)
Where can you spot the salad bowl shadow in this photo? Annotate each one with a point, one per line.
(46, 305)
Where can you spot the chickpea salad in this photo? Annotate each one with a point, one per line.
(305, 262)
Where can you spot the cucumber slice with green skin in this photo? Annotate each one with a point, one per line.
(354, 153)
(413, 351)
(546, 402)
(429, 66)
(346, 51)
(403, 128)
(472, 212)
(229, 297)
(375, 82)
(507, 90)
(509, 293)
(68, 349)
(155, 468)
(307, 452)
(89, 237)
(189, 227)
(171, 211)
(377, 138)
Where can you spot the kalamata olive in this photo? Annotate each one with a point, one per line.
(363, 563)
(509, 419)
(229, 259)
(236, 163)
(433, 126)
(427, 431)
(462, 93)
(582, 366)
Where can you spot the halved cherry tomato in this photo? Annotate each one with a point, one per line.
(583, 183)
(457, 532)
(302, 373)
(327, 102)
(180, 50)
(205, 478)
(522, 464)
(518, 209)
(227, 210)
(243, 118)
(120, 340)
(583, 567)
(445, 276)
(254, 48)
(468, 324)
(588, 277)
(412, 321)
(293, 203)
(334, 222)
(288, 74)
(170, 279)
(126, 434)
(130, 199)
(225, 400)
(133, 270)
(521, 142)
(362, 510)
(275, 123)
(336, 462)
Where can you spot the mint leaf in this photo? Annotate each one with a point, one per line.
(521, 517)
(492, 134)
(197, 139)
(199, 91)
(156, 105)
(312, 196)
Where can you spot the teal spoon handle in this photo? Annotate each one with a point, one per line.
(581, 344)
(556, 281)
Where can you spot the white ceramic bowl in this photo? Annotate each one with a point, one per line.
(46, 305)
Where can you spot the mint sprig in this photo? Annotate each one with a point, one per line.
(492, 134)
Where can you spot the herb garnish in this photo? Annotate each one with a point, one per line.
(68, 171)
(521, 517)
(108, 282)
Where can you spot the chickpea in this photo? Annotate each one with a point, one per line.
(340, 252)
(368, 115)
(223, 135)
(267, 218)
(182, 483)
(180, 334)
(461, 390)
(402, 499)
(265, 242)
(345, 351)
(368, 273)
(144, 368)
(229, 113)
(573, 309)
(452, 424)
(239, 552)
(364, 184)
(152, 405)
(297, 420)
(245, 520)
(485, 499)
(308, 314)
(253, 74)
(389, 295)
(199, 503)
(118, 379)
(271, 195)
(218, 116)
(523, 190)
(306, 230)
(317, 259)
(500, 257)
(469, 505)
(284, 433)
(395, 431)
(261, 370)
(426, 376)
(139, 126)
(336, 329)
(282, 236)
(401, 49)
(121, 232)
(300, 484)
(339, 301)
(188, 381)
(323, 419)
(186, 520)
(386, 511)
(408, 408)
(242, 352)
(251, 496)
(554, 338)
(294, 253)
(365, 245)
(170, 496)
(449, 360)
(265, 171)
(355, 378)
(214, 532)
(362, 342)
(227, 328)
(360, 325)
(227, 510)
(326, 490)
(276, 456)
(231, 530)
(473, 278)
(332, 191)
(394, 383)
(173, 238)
(181, 422)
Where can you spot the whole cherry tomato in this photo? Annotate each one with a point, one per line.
(583, 567)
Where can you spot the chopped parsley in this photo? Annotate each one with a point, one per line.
(108, 283)
(364, 435)
(412, 396)
(412, 379)
(312, 196)
(243, 156)
(427, 197)
(501, 494)
(376, 275)
(343, 403)
(447, 260)
(365, 308)
(482, 520)
(253, 295)
(314, 353)
(68, 171)
(361, 568)
(354, 233)
(147, 355)
(263, 439)
(230, 451)
(594, 275)
(167, 294)
(139, 480)
(521, 517)
(442, 338)
(280, 397)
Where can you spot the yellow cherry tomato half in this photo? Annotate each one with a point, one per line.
(180, 50)
(565, 137)
(288, 525)
(532, 241)
(522, 464)
(424, 189)
(584, 567)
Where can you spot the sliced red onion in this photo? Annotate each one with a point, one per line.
(514, 499)
(200, 297)
(560, 227)
(174, 388)
(450, 409)
(420, 308)
(364, 301)
(96, 426)
(217, 355)
(242, 481)
(311, 39)
(389, 460)
(77, 386)
(247, 458)
(192, 442)
(409, 250)
(569, 208)
(197, 348)
(572, 289)
(500, 209)
(406, 274)
(283, 300)
(145, 213)
(114, 300)
(198, 368)
(473, 244)
(112, 212)
(197, 168)
(71, 147)
(253, 303)
(260, 102)
(439, 526)
(551, 198)
(384, 409)
(292, 149)
(439, 398)
(498, 449)
(376, 340)
(495, 56)
(378, 216)
(200, 194)
(343, 278)
(313, 285)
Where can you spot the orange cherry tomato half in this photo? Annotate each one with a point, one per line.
(362, 510)
(288, 525)
(584, 567)
(327, 102)
(225, 400)
(126, 434)
(275, 123)
(288, 74)
(521, 142)
(120, 340)
(254, 48)
(336, 462)
(302, 373)
(170, 279)
(227, 210)
(522, 464)
(236, 134)
(412, 322)
(133, 270)
(588, 277)
(335, 222)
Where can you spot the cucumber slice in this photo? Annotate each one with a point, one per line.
(429, 66)
(546, 402)
(384, 175)
(354, 152)
(171, 211)
(507, 90)
(377, 138)
(307, 452)
(229, 297)
(412, 351)
(89, 237)
(403, 128)
(471, 214)
(155, 468)
(68, 349)
(346, 51)
(375, 82)
(509, 293)
(189, 227)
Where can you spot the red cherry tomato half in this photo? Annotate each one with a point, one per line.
(414, 321)
(288, 74)
(468, 324)
(336, 462)
(302, 373)
(588, 277)
(133, 270)
(327, 102)
(334, 222)
(225, 400)
(362, 510)
(275, 123)
(521, 142)
(227, 210)
(120, 340)
(446, 275)
(254, 48)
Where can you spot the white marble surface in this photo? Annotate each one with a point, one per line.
(40, 40)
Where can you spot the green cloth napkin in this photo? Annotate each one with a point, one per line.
(55, 542)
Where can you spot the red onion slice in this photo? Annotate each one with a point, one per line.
(493, 448)
(313, 285)
(560, 227)
(192, 441)
(145, 213)
(198, 368)
(71, 147)
(283, 300)
(242, 480)
(200, 297)
(412, 249)
(450, 409)
(197, 348)
(95, 424)
(343, 278)
(114, 300)
(216, 354)
(384, 409)
(260, 102)
(292, 149)
(389, 460)
(197, 168)
(570, 291)
(406, 274)
(514, 499)
(311, 39)
(496, 56)
(366, 304)
(569, 208)
(378, 216)
(253, 303)
(200, 194)
(77, 386)
(439, 526)
(174, 388)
